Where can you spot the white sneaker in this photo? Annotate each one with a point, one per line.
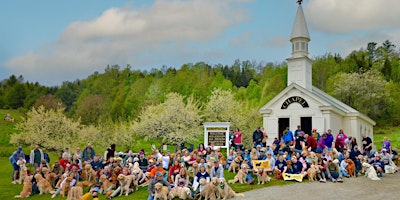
(14, 182)
(53, 196)
(333, 180)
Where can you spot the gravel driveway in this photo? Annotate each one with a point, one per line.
(387, 188)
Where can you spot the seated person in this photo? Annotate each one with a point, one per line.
(217, 170)
(385, 157)
(378, 164)
(271, 162)
(249, 178)
(280, 165)
(321, 169)
(333, 171)
(230, 158)
(157, 168)
(202, 173)
(174, 170)
(158, 179)
(297, 167)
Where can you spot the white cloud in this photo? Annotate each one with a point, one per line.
(346, 45)
(278, 41)
(128, 36)
(343, 16)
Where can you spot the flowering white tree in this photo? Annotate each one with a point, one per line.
(50, 129)
(222, 107)
(171, 122)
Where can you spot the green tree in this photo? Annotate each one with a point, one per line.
(364, 92)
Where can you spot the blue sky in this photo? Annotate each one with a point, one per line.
(53, 41)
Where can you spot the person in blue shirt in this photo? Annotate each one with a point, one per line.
(329, 140)
(14, 158)
(287, 135)
(378, 164)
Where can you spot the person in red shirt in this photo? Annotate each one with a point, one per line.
(311, 142)
(237, 138)
(64, 161)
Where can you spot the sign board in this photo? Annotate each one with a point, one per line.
(257, 164)
(295, 99)
(217, 133)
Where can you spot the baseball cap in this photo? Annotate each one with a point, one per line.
(356, 147)
(384, 149)
(19, 148)
(258, 146)
(158, 163)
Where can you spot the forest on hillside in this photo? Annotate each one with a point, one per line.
(367, 79)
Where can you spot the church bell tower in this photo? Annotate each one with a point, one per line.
(300, 65)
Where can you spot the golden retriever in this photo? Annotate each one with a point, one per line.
(226, 191)
(262, 176)
(146, 179)
(240, 176)
(125, 183)
(51, 178)
(312, 173)
(75, 193)
(222, 159)
(43, 185)
(206, 189)
(90, 174)
(161, 192)
(66, 186)
(180, 192)
(114, 176)
(84, 184)
(235, 164)
(22, 174)
(27, 189)
(351, 167)
(370, 172)
(215, 185)
(106, 184)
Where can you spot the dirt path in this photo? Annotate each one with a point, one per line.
(352, 188)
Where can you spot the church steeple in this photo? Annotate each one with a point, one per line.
(299, 65)
(300, 36)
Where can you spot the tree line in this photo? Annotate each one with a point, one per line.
(367, 79)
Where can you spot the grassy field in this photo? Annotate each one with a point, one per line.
(8, 190)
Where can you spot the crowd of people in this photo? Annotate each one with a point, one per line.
(294, 153)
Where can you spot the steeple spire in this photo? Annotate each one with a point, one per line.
(300, 36)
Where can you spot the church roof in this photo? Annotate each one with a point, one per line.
(327, 102)
(300, 29)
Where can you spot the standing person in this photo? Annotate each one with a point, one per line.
(88, 153)
(36, 157)
(237, 138)
(329, 140)
(321, 146)
(78, 153)
(298, 147)
(287, 135)
(366, 145)
(386, 144)
(297, 131)
(67, 153)
(257, 137)
(158, 179)
(15, 157)
(311, 142)
(110, 152)
(265, 138)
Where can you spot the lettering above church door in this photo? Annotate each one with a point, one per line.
(294, 99)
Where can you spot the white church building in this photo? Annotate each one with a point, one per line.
(300, 103)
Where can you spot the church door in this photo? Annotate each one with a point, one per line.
(306, 125)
